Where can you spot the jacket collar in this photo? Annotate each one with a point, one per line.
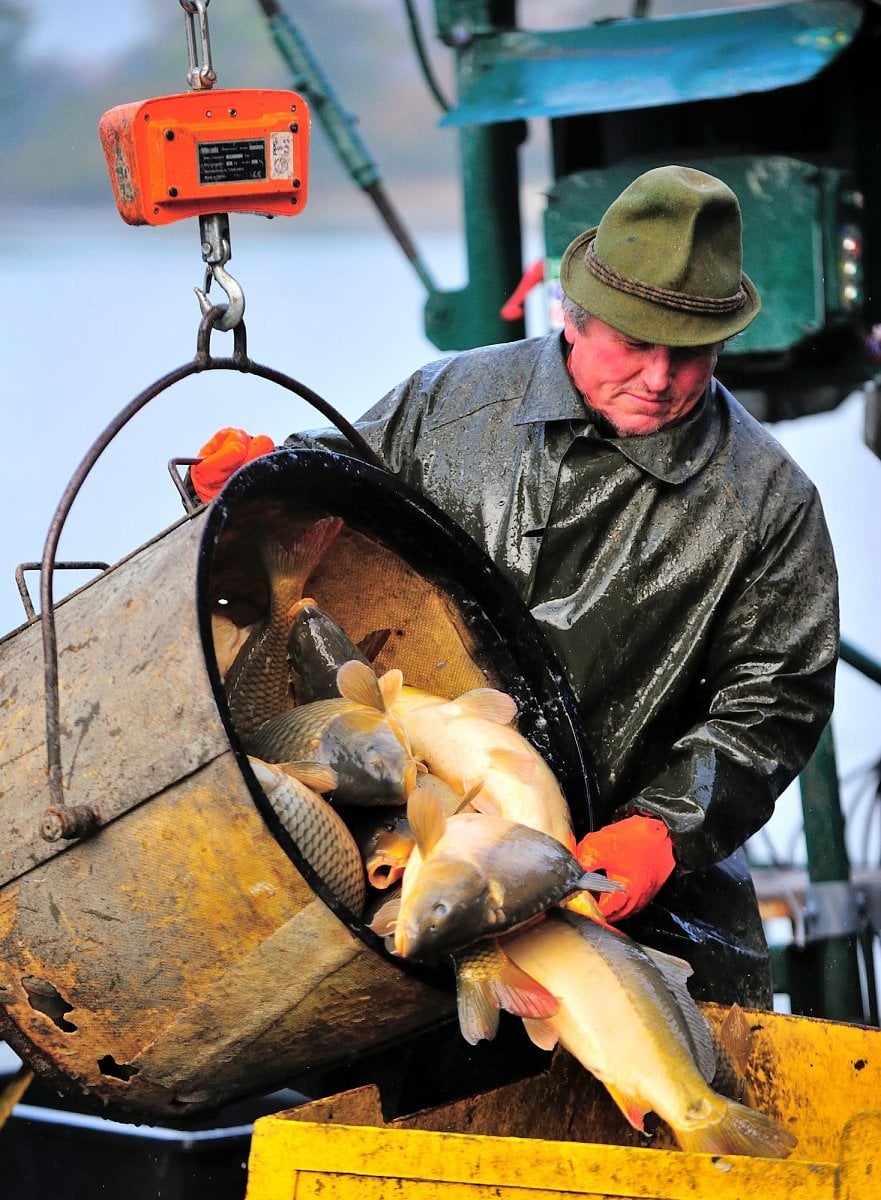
(672, 455)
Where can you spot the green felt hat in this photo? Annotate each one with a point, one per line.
(665, 263)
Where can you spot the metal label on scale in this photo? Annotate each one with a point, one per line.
(231, 162)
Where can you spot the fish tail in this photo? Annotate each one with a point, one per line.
(292, 567)
(740, 1130)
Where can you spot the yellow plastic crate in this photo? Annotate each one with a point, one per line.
(293, 1160)
(821, 1079)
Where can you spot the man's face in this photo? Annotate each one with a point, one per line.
(638, 387)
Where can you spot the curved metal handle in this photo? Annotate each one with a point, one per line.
(52, 827)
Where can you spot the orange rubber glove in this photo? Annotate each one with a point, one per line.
(228, 450)
(637, 852)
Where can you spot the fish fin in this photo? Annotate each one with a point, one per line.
(733, 1044)
(477, 1010)
(516, 762)
(676, 972)
(357, 682)
(594, 881)
(385, 918)
(268, 775)
(372, 643)
(488, 703)
(426, 816)
(484, 804)
(632, 1107)
(540, 1033)
(447, 797)
(314, 544)
(390, 685)
(315, 775)
(466, 804)
(294, 565)
(735, 1038)
(520, 994)
(739, 1130)
(479, 999)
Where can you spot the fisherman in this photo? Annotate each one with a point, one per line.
(676, 558)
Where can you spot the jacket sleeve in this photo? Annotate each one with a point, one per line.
(766, 696)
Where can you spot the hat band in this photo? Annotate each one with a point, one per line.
(705, 305)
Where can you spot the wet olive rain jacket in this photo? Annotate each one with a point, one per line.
(687, 583)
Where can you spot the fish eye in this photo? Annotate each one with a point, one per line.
(441, 908)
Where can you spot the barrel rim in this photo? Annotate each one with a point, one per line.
(438, 549)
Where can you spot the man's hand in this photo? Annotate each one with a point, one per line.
(228, 450)
(638, 853)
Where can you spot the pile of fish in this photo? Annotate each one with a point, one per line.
(435, 822)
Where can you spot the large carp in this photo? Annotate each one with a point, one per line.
(626, 1015)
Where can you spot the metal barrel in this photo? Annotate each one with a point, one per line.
(184, 955)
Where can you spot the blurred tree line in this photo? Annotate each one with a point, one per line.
(49, 109)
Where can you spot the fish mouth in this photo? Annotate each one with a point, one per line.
(298, 605)
(382, 875)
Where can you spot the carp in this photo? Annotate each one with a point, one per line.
(471, 744)
(475, 874)
(625, 1013)
(386, 840)
(317, 830)
(355, 736)
(258, 684)
(317, 647)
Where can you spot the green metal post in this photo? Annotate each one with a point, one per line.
(456, 320)
(823, 975)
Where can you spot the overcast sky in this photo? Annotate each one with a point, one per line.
(87, 31)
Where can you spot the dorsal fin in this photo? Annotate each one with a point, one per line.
(426, 816)
(489, 703)
(357, 682)
(371, 644)
(676, 972)
(390, 685)
(448, 798)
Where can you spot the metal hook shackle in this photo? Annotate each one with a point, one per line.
(201, 77)
(216, 253)
(235, 309)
